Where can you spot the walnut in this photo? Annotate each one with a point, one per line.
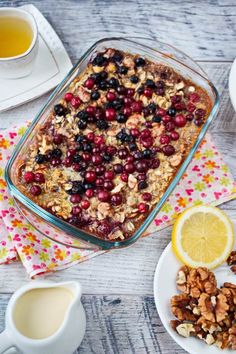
(175, 160)
(232, 337)
(210, 339)
(185, 329)
(181, 309)
(233, 268)
(213, 308)
(232, 258)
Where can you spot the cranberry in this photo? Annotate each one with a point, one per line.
(121, 90)
(75, 198)
(99, 113)
(164, 139)
(35, 190)
(147, 197)
(180, 120)
(85, 204)
(194, 97)
(76, 210)
(147, 92)
(104, 228)
(90, 176)
(191, 107)
(111, 96)
(68, 96)
(99, 182)
(100, 170)
(58, 139)
(97, 159)
(166, 119)
(76, 167)
(134, 132)
(104, 196)
(130, 92)
(127, 111)
(189, 117)
(109, 175)
(148, 124)
(129, 167)
(110, 114)
(198, 122)
(75, 102)
(90, 136)
(143, 208)
(118, 168)
(200, 113)
(174, 135)
(128, 101)
(124, 177)
(29, 177)
(141, 166)
(130, 158)
(111, 150)
(168, 150)
(98, 140)
(39, 177)
(108, 185)
(141, 177)
(146, 112)
(71, 152)
(89, 193)
(137, 107)
(89, 83)
(91, 110)
(56, 161)
(103, 147)
(176, 98)
(123, 153)
(160, 112)
(179, 106)
(145, 133)
(86, 156)
(155, 163)
(148, 142)
(116, 199)
(170, 126)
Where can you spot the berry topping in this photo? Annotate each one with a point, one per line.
(143, 208)
(35, 190)
(60, 110)
(89, 83)
(75, 102)
(139, 62)
(29, 177)
(85, 204)
(68, 96)
(103, 196)
(116, 199)
(39, 177)
(147, 197)
(168, 150)
(110, 114)
(90, 176)
(180, 120)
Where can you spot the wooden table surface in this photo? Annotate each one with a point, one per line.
(118, 286)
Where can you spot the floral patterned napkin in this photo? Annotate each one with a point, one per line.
(207, 180)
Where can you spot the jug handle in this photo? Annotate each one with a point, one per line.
(5, 342)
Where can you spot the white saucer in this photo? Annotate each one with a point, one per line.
(232, 84)
(165, 288)
(51, 66)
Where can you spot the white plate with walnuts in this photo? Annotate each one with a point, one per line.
(193, 304)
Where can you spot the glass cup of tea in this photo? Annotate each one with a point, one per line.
(18, 42)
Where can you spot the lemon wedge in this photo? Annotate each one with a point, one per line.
(203, 236)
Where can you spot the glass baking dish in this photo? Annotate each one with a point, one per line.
(61, 231)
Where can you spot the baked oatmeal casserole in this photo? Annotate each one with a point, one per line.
(110, 148)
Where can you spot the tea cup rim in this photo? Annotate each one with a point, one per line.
(34, 26)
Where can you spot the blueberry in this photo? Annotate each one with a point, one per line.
(156, 119)
(99, 60)
(109, 105)
(121, 136)
(147, 153)
(56, 153)
(117, 57)
(118, 103)
(150, 83)
(79, 138)
(83, 115)
(113, 82)
(171, 112)
(122, 70)
(39, 158)
(82, 124)
(142, 185)
(160, 84)
(138, 155)
(103, 85)
(95, 95)
(76, 158)
(102, 124)
(77, 188)
(60, 110)
(129, 138)
(133, 146)
(121, 118)
(87, 147)
(88, 185)
(107, 158)
(146, 112)
(134, 79)
(152, 107)
(140, 90)
(139, 62)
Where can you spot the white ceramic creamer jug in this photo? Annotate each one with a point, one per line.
(44, 318)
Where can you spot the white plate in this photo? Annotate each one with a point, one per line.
(232, 84)
(165, 288)
(51, 66)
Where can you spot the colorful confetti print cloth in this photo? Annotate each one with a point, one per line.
(207, 180)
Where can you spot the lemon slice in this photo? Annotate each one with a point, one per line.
(202, 236)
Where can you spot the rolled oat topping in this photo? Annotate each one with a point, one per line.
(112, 145)
(203, 310)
